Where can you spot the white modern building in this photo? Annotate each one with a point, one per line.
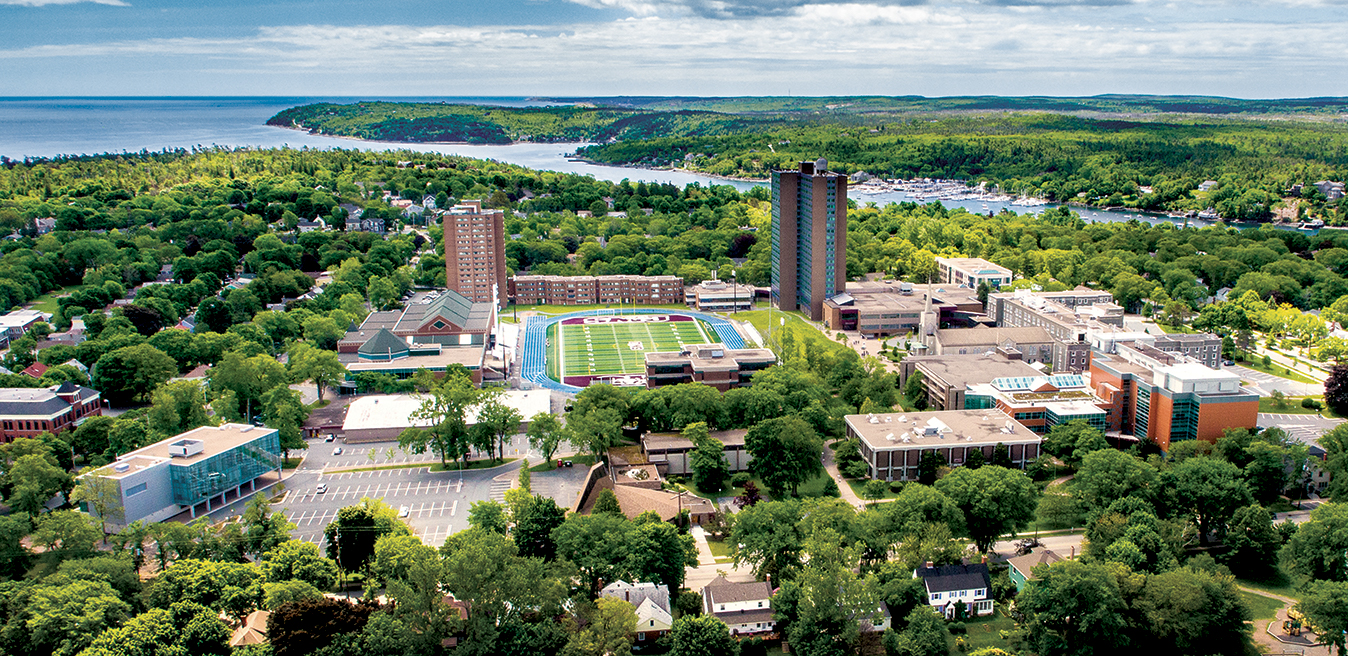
(971, 272)
(382, 417)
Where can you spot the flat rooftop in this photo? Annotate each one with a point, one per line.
(707, 357)
(946, 428)
(992, 337)
(961, 371)
(215, 439)
(974, 264)
(677, 442)
(470, 357)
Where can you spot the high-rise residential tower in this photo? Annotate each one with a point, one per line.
(475, 265)
(809, 237)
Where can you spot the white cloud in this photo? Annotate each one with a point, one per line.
(820, 49)
(43, 3)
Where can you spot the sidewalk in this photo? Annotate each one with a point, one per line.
(705, 558)
(843, 488)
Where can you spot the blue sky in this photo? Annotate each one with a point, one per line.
(1250, 48)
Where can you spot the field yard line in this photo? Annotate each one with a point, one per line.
(654, 346)
(561, 353)
(622, 364)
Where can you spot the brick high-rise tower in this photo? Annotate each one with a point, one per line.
(475, 263)
(809, 237)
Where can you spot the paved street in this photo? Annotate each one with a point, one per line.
(1263, 384)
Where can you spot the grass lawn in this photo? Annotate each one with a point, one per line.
(719, 548)
(1261, 607)
(47, 302)
(858, 484)
(811, 488)
(578, 461)
(1278, 583)
(985, 632)
(1256, 362)
(291, 463)
(802, 331)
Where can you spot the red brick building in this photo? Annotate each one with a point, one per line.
(26, 412)
(591, 290)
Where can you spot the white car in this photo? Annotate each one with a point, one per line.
(403, 512)
(322, 487)
(337, 451)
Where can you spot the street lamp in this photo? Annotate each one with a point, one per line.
(734, 294)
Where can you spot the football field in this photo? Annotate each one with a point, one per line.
(582, 349)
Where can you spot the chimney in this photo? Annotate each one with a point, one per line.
(930, 564)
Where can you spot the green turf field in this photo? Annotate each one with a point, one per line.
(607, 349)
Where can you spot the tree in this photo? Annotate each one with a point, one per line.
(323, 332)
(710, 469)
(309, 625)
(1325, 605)
(767, 535)
(274, 595)
(595, 431)
(750, 497)
(606, 503)
(352, 534)
(534, 524)
(995, 500)
(924, 635)
(1108, 475)
(1074, 608)
(1209, 491)
(182, 628)
(545, 434)
(874, 490)
(315, 364)
(283, 410)
(600, 545)
(1071, 441)
(67, 531)
(661, 553)
(500, 421)
(703, 635)
(488, 515)
(133, 373)
(248, 378)
(1336, 389)
(786, 452)
(66, 616)
(608, 631)
(502, 588)
(1253, 540)
(1191, 611)
(929, 467)
(263, 530)
(395, 556)
(232, 588)
(443, 411)
(178, 407)
(294, 560)
(103, 498)
(34, 480)
(1319, 548)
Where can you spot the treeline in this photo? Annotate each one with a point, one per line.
(1063, 158)
(442, 122)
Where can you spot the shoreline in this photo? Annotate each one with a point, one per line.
(424, 143)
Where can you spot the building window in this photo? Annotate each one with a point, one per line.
(136, 489)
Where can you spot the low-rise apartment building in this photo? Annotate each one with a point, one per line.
(892, 444)
(590, 290)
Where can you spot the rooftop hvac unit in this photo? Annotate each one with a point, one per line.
(122, 467)
(890, 437)
(186, 448)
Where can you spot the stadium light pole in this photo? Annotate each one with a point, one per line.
(734, 293)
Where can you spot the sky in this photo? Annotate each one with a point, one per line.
(1237, 48)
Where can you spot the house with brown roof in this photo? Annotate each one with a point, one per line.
(253, 631)
(637, 495)
(1022, 567)
(745, 607)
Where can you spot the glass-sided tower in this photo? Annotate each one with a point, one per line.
(809, 237)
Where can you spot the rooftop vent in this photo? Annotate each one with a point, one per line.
(186, 448)
(121, 467)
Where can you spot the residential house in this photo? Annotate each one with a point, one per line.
(951, 586)
(745, 607)
(253, 631)
(1022, 567)
(311, 226)
(651, 601)
(45, 225)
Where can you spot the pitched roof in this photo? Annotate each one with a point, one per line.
(35, 370)
(638, 593)
(945, 578)
(30, 401)
(253, 631)
(722, 591)
(384, 342)
(1026, 564)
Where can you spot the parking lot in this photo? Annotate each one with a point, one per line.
(1302, 428)
(1263, 384)
(436, 503)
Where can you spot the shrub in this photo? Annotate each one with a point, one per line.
(958, 627)
(738, 480)
(1311, 404)
(896, 486)
(831, 488)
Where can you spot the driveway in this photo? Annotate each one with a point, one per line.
(1264, 384)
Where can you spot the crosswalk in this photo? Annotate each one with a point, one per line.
(498, 489)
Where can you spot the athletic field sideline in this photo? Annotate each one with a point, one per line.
(612, 346)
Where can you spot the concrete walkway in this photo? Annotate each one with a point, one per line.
(705, 558)
(844, 489)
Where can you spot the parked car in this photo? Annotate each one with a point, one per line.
(330, 437)
(337, 451)
(322, 487)
(568, 463)
(1229, 363)
(403, 512)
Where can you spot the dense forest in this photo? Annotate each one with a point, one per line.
(477, 124)
(1146, 161)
